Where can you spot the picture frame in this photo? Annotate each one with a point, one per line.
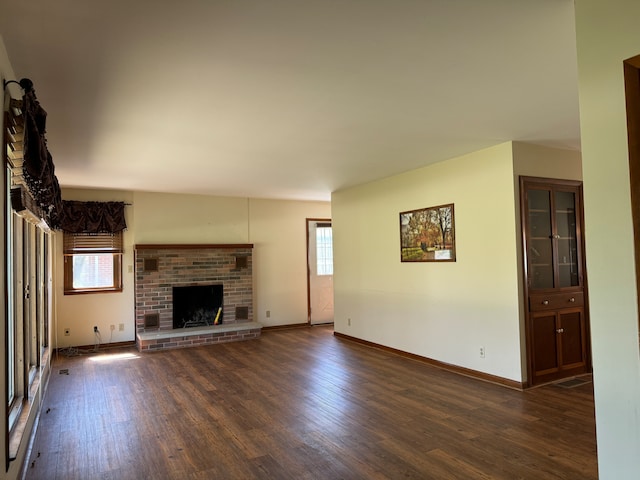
(428, 234)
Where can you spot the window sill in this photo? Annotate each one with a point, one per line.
(97, 290)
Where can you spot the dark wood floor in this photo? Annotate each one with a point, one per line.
(301, 404)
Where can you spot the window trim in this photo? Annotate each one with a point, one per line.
(87, 244)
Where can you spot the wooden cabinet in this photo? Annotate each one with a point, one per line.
(555, 283)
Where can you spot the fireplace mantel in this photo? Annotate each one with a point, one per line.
(189, 246)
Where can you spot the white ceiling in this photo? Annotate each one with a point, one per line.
(288, 98)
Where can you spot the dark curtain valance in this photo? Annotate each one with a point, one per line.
(91, 217)
(38, 169)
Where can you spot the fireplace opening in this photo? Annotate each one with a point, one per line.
(197, 306)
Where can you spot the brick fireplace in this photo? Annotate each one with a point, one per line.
(161, 268)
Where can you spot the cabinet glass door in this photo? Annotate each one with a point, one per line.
(566, 238)
(540, 245)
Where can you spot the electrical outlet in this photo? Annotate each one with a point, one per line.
(268, 313)
(121, 327)
(348, 322)
(112, 327)
(482, 352)
(67, 332)
(95, 329)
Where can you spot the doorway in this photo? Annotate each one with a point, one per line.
(319, 271)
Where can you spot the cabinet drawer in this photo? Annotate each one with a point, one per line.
(555, 301)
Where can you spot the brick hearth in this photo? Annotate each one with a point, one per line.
(159, 268)
(193, 337)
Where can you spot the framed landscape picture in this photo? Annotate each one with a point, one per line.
(428, 235)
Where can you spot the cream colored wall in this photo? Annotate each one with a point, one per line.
(175, 219)
(276, 228)
(80, 313)
(444, 311)
(540, 161)
(608, 33)
(278, 231)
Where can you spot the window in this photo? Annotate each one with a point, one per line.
(28, 286)
(11, 316)
(324, 249)
(92, 262)
(27, 283)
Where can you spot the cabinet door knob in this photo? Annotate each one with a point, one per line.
(560, 330)
(545, 302)
(572, 299)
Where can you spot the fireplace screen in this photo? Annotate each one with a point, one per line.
(197, 306)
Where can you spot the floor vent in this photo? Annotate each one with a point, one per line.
(574, 382)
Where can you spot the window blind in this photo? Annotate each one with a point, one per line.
(91, 243)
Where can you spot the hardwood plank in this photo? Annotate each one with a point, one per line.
(301, 404)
